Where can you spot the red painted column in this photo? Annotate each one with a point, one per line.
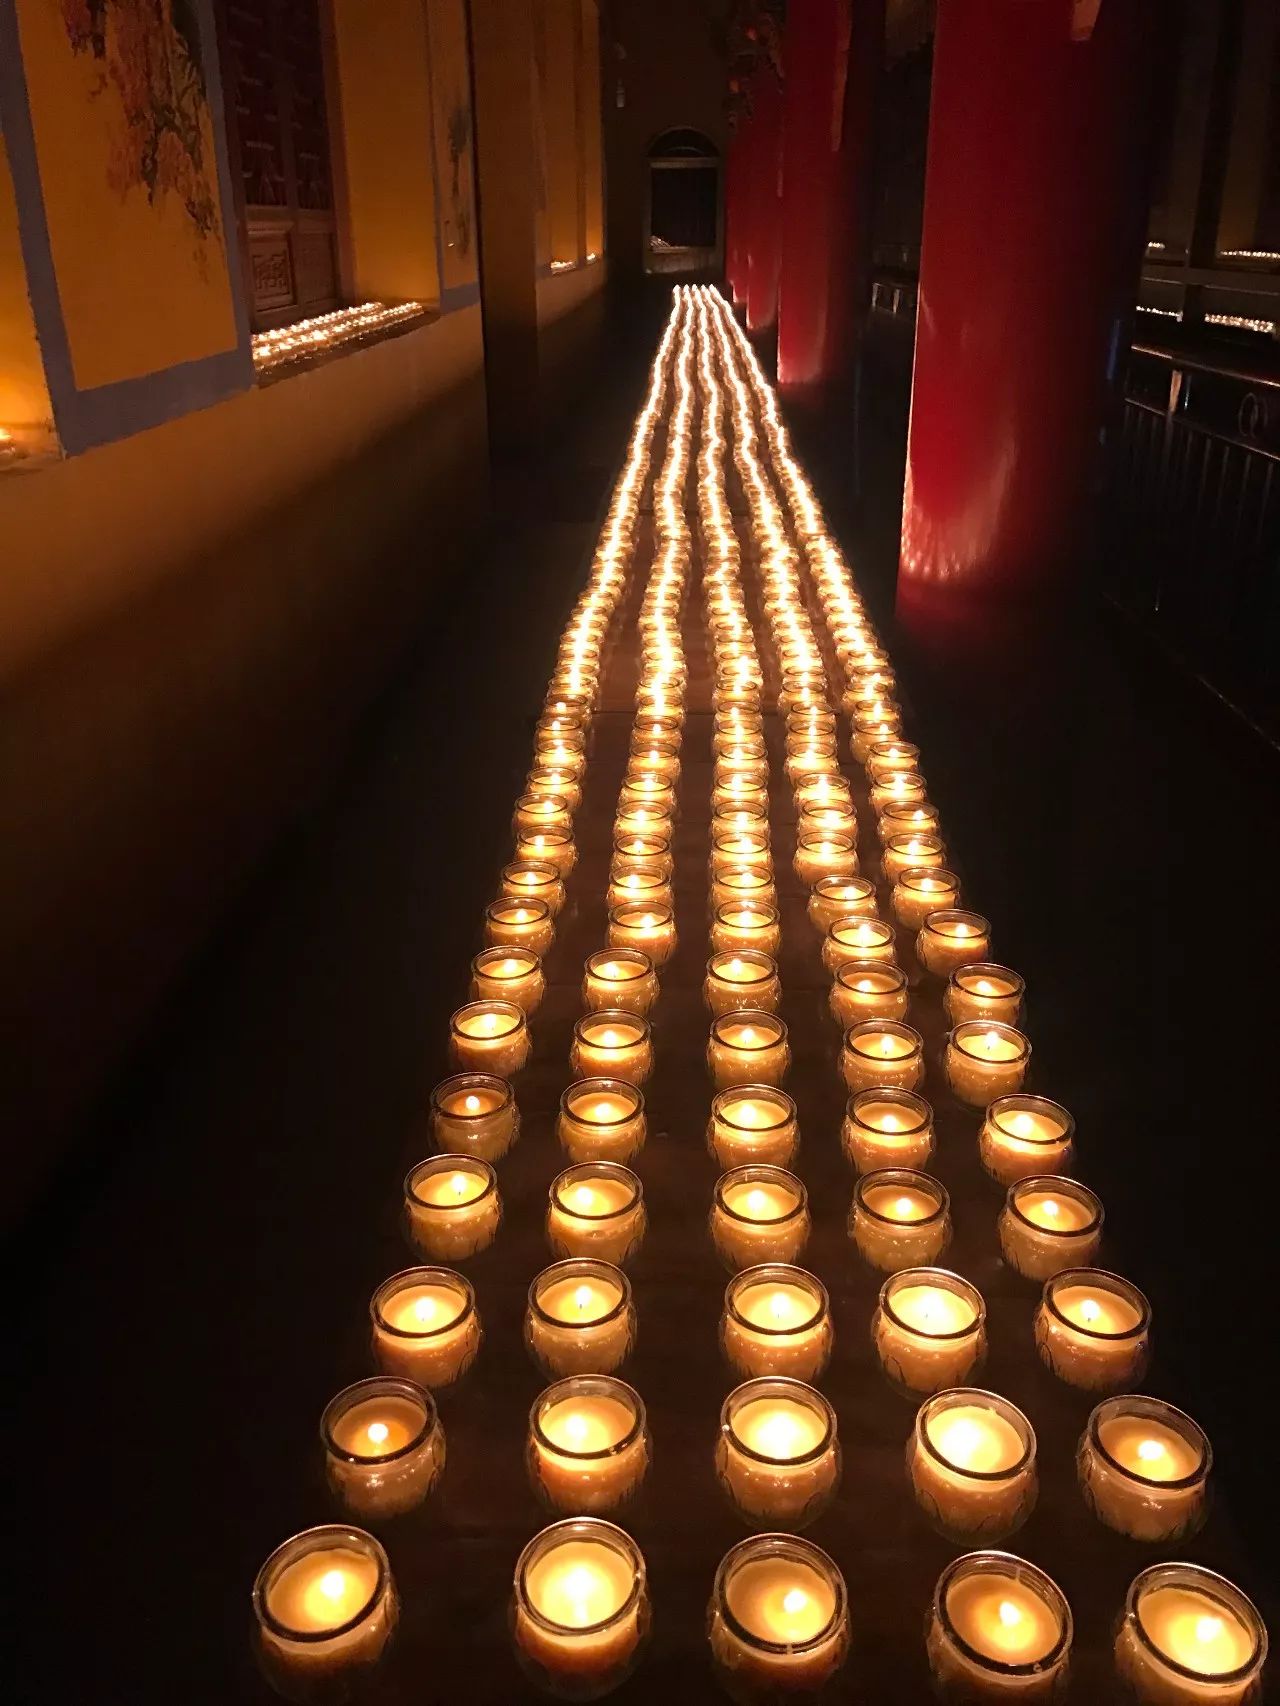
(765, 222)
(1035, 200)
(834, 48)
(735, 212)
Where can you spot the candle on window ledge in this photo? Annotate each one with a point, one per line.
(620, 978)
(749, 884)
(611, 1043)
(950, 938)
(326, 1608)
(1144, 1469)
(868, 989)
(778, 1456)
(887, 1128)
(985, 1060)
(534, 880)
(837, 898)
(739, 925)
(1093, 1329)
(912, 852)
(972, 1464)
(902, 788)
(748, 1047)
(384, 1447)
(917, 818)
(588, 1448)
(999, 1630)
(882, 1054)
(824, 853)
(632, 850)
(490, 1036)
(580, 1610)
(753, 1125)
(1025, 1136)
(1048, 1224)
(425, 1326)
(742, 979)
(652, 929)
(759, 1214)
(580, 1318)
(929, 1330)
(596, 1208)
(1189, 1637)
(984, 991)
(511, 922)
(900, 1219)
(509, 974)
(866, 940)
(452, 1207)
(536, 813)
(776, 1320)
(474, 1113)
(779, 1619)
(601, 1119)
(642, 885)
(922, 890)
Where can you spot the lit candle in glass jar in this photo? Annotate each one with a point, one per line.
(514, 923)
(824, 853)
(580, 1318)
(759, 1214)
(601, 1119)
(581, 1607)
(1144, 1469)
(779, 1618)
(951, 938)
(741, 849)
(1049, 1224)
(753, 1125)
(778, 1457)
(326, 1607)
(917, 818)
(452, 1207)
(891, 758)
(1023, 1136)
(490, 1036)
(509, 974)
(632, 850)
(642, 885)
(588, 1445)
(920, 891)
(972, 1464)
(749, 884)
(984, 991)
(776, 1321)
(887, 1128)
(474, 1113)
(1189, 1637)
(640, 789)
(865, 940)
(384, 1447)
(542, 812)
(1093, 1329)
(999, 1629)
(596, 1209)
(868, 989)
(929, 1329)
(652, 929)
(547, 847)
(653, 757)
(425, 1326)
(834, 817)
(985, 1060)
(902, 788)
(554, 782)
(748, 1047)
(913, 852)
(900, 1219)
(533, 881)
(739, 925)
(834, 898)
(612, 1044)
(620, 978)
(882, 1054)
(742, 979)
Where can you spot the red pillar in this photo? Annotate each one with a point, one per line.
(765, 163)
(735, 212)
(834, 48)
(1035, 197)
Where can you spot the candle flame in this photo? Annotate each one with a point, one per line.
(576, 1427)
(1009, 1613)
(1150, 1449)
(459, 1183)
(584, 1198)
(757, 1202)
(378, 1432)
(903, 1207)
(866, 985)
(794, 1601)
(1090, 1310)
(333, 1584)
(1051, 1207)
(472, 1104)
(1021, 1125)
(1208, 1628)
(891, 1122)
(425, 1309)
(582, 1296)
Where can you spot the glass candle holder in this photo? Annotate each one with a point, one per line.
(510, 922)
(555, 782)
(1189, 1637)
(971, 1461)
(384, 1447)
(742, 979)
(778, 1456)
(534, 881)
(536, 812)
(739, 849)
(900, 1219)
(612, 1044)
(920, 891)
(641, 818)
(588, 1448)
(652, 929)
(753, 1125)
(748, 1047)
(632, 850)
(1025, 1136)
(509, 974)
(732, 740)
(868, 941)
(902, 788)
(882, 1054)
(547, 847)
(489, 1036)
(601, 1119)
(1093, 1329)
(985, 1060)
(580, 1318)
(815, 755)
(870, 728)
(778, 1623)
(759, 1214)
(887, 1128)
(824, 853)
(740, 817)
(426, 1327)
(741, 925)
(326, 1608)
(911, 852)
(620, 979)
(824, 793)
(753, 767)
(868, 989)
(642, 885)
(837, 898)
(474, 1113)
(984, 992)
(1048, 1224)
(891, 758)
(596, 1209)
(640, 789)
(1144, 1469)
(999, 1629)
(831, 817)
(776, 1320)
(929, 1330)
(655, 757)
(452, 1207)
(737, 788)
(750, 884)
(950, 938)
(580, 1610)
(916, 818)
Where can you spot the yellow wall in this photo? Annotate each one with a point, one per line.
(589, 129)
(24, 396)
(560, 127)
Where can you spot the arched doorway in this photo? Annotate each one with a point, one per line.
(683, 230)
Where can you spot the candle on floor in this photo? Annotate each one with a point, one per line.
(972, 1464)
(581, 1607)
(596, 1209)
(640, 789)
(741, 849)
(779, 1618)
(736, 788)
(929, 1329)
(1189, 1637)
(1023, 1136)
(951, 938)
(554, 847)
(751, 885)
(1093, 1329)
(824, 853)
(655, 757)
(425, 1326)
(902, 788)
(912, 852)
(753, 1124)
(452, 1207)
(384, 1447)
(652, 929)
(872, 727)
(632, 850)
(892, 758)
(535, 813)
(509, 974)
(748, 1047)
(741, 979)
(759, 1214)
(882, 1054)
(474, 1113)
(554, 782)
(513, 922)
(887, 1128)
(778, 1456)
(643, 819)
(588, 1446)
(1144, 1469)
(534, 881)
(601, 1119)
(580, 1318)
(869, 941)
(612, 1044)
(1048, 1224)
(831, 817)
(326, 1607)
(985, 1060)
(776, 1320)
(999, 1629)
(868, 989)
(900, 1219)
(620, 978)
(919, 818)
(834, 898)
(984, 991)
(490, 1036)
(739, 925)
(922, 890)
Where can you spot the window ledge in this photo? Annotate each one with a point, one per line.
(306, 344)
